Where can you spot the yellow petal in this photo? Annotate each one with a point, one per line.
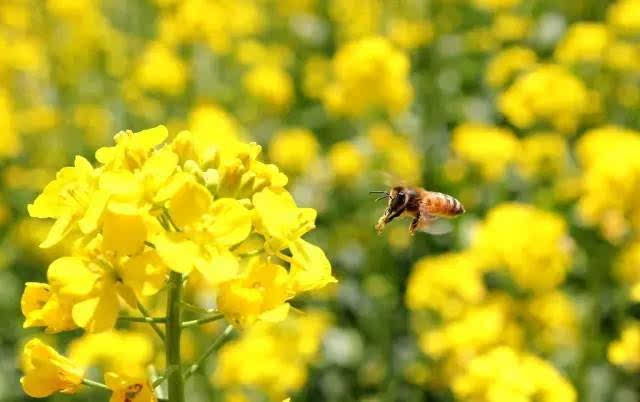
(122, 185)
(71, 276)
(97, 314)
(92, 216)
(124, 230)
(219, 267)
(58, 231)
(145, 273)
(310, 269)
(189, 203)
(177, 252)
(232, 222)
(277, 314)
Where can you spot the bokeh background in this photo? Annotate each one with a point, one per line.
(526, 111)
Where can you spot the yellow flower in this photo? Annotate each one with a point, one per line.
(270, 84)
(317, 73)
(46, 371)
(555, 320)
(504, 374)
(624, 16)
(118, 351)
(490, 148)
(623, 56)
(550, 93)
(627, 268)
(128, 388)
(538, 258)
(543, 155)
(279, 219)
(610, 166)
(93, 290)
(494, 5)
(625, 351)
(294, 150)
(310, 268)
(369, 73)
(583, 42)
(347, 161)
(505, 64)
(355, 20)
(480, 327)
(410, 34)
(261, 293)
(42, 308)
(510, 27)
(280, 354)
(10, 144)
(68, 200)
(399, 156)
(446, 284)
(160, 69)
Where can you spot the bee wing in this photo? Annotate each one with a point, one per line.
(437, 226)
(389, 180)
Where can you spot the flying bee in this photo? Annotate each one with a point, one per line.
(424, 206)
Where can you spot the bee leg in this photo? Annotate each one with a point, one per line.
(414, 224)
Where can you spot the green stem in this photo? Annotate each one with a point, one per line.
(95, 384)
(154, 326)
(173, 327)
(212, 348)
(143, 319)
(204, 320)
(198, 309)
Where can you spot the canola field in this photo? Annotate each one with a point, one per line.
(186, 209)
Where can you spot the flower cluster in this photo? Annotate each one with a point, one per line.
(279, 354)
(189, 206)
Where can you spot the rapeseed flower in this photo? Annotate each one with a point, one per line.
(201, 202)
(294, 150)
(549, 93)
(490, 148)
(369, 73)
(47, 372)
(538, 258)
(504, 65)
(584, 42)
(624, 351)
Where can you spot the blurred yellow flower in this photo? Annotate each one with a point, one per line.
(355, 20)
(271, 85)
(490, 148)
(505, 374)
(479, 327)
(160, 69)
(543, 155)
(399, 156)
(494, 5)
(624, 16)
(129, 388)
(623, 56)
(610, 167)
(41, 308)
(538, 258)
(10, 144)
(369, 73)
(294, 150)
(504, 65)
(47, 372)
(446, 283)
(410, 34)
(508, 27)
(119, 351)
(279, 354)
(260, 293)
(554, 320)
(550, 93)
(627, 268)
(316, 76)
(583, 42)
(347, 161)
(625, 351)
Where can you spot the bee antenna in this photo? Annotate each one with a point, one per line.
(386, 194)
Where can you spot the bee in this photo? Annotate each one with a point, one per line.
(424, 206)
